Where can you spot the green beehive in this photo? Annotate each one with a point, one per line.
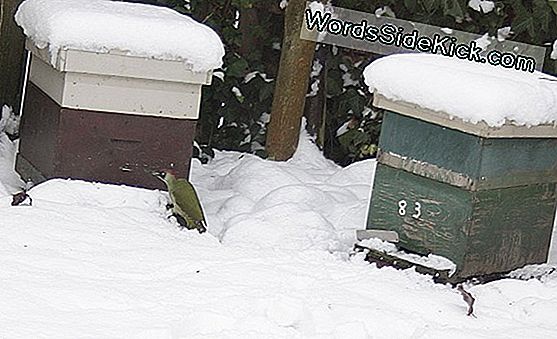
(483, 197)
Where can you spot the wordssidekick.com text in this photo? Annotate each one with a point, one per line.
(389, 34)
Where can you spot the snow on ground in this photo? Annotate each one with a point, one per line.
(9, 182)
(136, 29)
(468, 90)
(92, 260)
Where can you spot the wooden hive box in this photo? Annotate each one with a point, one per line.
(107, 117)
(483, 197)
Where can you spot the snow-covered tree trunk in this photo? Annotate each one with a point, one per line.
(11, 54)
(291, 88)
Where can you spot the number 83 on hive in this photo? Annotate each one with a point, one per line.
(403, 205)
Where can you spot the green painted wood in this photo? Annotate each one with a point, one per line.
(486, 204)
(430, 143)
(510, 228)
(515, 162)
(488, 163)
(483, 232)
(445, 212)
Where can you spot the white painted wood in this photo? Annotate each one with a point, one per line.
(118, 83)
(131, 95)
(133, 67)
(481, 129)
(47, 79)
(118, 64)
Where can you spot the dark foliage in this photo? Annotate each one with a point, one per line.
(235, 108)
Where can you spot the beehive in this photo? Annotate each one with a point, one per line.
(107, 117)
(481, 196)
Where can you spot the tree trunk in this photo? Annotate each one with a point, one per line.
(291, 88)
(11, 55)
(316, 106)
(248, 20)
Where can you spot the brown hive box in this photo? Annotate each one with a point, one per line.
(107, 117)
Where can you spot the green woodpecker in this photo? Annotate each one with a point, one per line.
(185, 202)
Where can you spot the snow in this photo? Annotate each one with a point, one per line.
(91, 260)
(136, 29)
(384, 11)
(484, 41)
(447, 30)
(237, 93)
(503, 33)
(316, 6)
(9, 122)
(471, 91)
(314, 88)
(343, 129)
(252, 75)
(10, 182)
(316, 68)
(482, 6)
(219, 74)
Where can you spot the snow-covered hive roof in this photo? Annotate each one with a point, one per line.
(466, 91)
(130, 28)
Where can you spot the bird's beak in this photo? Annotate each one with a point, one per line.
(159, 174)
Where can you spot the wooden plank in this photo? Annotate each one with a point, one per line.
(484, 232)
(28, 172)
(465, 160)
(11, 55)
(433, 144)
(131, 95)
(435, 216)
(425, 170)
(47, 79)
(117, 94)
(382, 259)
(516, 162)
(510, 228)
(117, 63)
(39, 123)
(480, 129)
(58, 142)
(389, 236)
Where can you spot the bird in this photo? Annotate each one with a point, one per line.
(185, 206)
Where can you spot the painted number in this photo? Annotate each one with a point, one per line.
(402, 207)
(418, 210)
(403, 204)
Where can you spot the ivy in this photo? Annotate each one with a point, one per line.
(235, 108)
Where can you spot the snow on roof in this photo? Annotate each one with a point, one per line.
(467, 90)
(137, 29)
